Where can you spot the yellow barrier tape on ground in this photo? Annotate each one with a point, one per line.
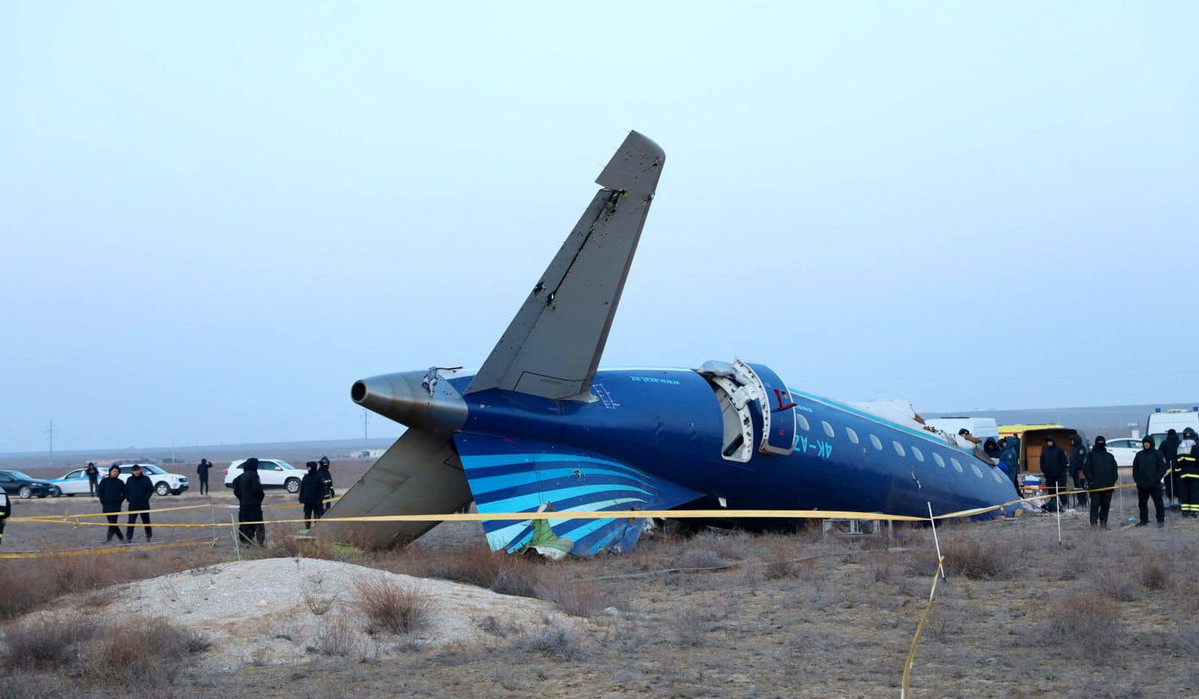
(112, 549)
(905, 690)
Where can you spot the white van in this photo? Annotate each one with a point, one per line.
(1162, 421)
(980, 427)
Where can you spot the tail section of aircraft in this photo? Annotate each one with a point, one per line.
(553, 345)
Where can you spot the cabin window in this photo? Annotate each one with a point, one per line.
(918, 454)
(898, 448)
(853, 436)
(977, 471)
(938, 459)
(803, 422)
(957, 465)
(828, 429)
(875, 441)
(998, 478)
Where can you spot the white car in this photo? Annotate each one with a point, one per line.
(274, 473)
(75, 482)
(1124, 449)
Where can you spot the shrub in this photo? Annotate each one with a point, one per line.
(47, 642)
(142, 652)
(337, 639)
(1086, 622)
(555, 642)
(392, 607)
(575, 597)
(981, 560)
(1155, 575)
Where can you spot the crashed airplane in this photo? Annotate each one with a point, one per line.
(539, 427)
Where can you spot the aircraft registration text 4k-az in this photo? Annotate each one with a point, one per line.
(539, 427)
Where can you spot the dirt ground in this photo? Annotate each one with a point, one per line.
(1103, 613)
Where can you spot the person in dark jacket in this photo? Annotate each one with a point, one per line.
(1101, 471)
(312, 490)
(327, 479)
(1148, 468)
(1187, 464)
(247, 488)
(991, 448)
(1170, 453)
(202, 470)
(93, 475)
(1078, 457)
(138, 489)
(1009, 460)
(1054, 464)
(5, 511)
(111, 492)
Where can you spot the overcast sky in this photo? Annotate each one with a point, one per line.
(215, 217)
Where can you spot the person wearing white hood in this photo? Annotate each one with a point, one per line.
(1187, 465)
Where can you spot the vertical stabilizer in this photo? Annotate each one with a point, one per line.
(554, 344)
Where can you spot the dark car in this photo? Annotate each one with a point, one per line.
(17, 483)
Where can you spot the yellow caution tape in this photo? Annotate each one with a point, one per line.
(112, 549)
(905, 690)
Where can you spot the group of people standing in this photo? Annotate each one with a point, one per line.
(316, 492)
(1176, 463)
(113, 493)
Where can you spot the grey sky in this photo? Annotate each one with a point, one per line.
(214, 219)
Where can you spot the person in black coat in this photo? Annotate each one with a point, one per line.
(327, 480)
(138, 489)
(247, 488)
(93, 474)
(1054, 464)
(1078, 457)
(202, 470)
(111, 492)
(312, 490)
(1101, 471)
(1169, 452)
(1148, 467)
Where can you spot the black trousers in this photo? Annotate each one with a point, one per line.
(114, 526)
(2, 519)
(313, 511)
(1188, 493)
(203, 484)
(145, 520)
(1159, 507)
(91, 485)
(251, 533)
(1101, 504)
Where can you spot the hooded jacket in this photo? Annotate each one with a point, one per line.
(1100, 467)
(327, 481)
(248, 489)
(1054, 462)
(312, 488)
(5, 507)
(111, 491)
(1148, 468)
(138, 490)
(1188, 459)
(1170, 446)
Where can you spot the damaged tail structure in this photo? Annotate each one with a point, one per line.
(539, 428)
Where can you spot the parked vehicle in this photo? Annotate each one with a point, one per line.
(165, 483)
(26, 486)
(274, 473)
(1124, 449)
(1161, 422)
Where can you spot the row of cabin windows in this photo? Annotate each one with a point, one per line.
(878, 446)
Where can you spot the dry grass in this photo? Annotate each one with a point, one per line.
(980, 560)
(1086, 623)
(581, 598)
(143, 653)
(392, 607)
(47, 642)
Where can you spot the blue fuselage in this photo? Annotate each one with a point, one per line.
(668, 423)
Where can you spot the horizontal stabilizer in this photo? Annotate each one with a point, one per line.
(419, 474)
(553, 345)
(509, 475)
